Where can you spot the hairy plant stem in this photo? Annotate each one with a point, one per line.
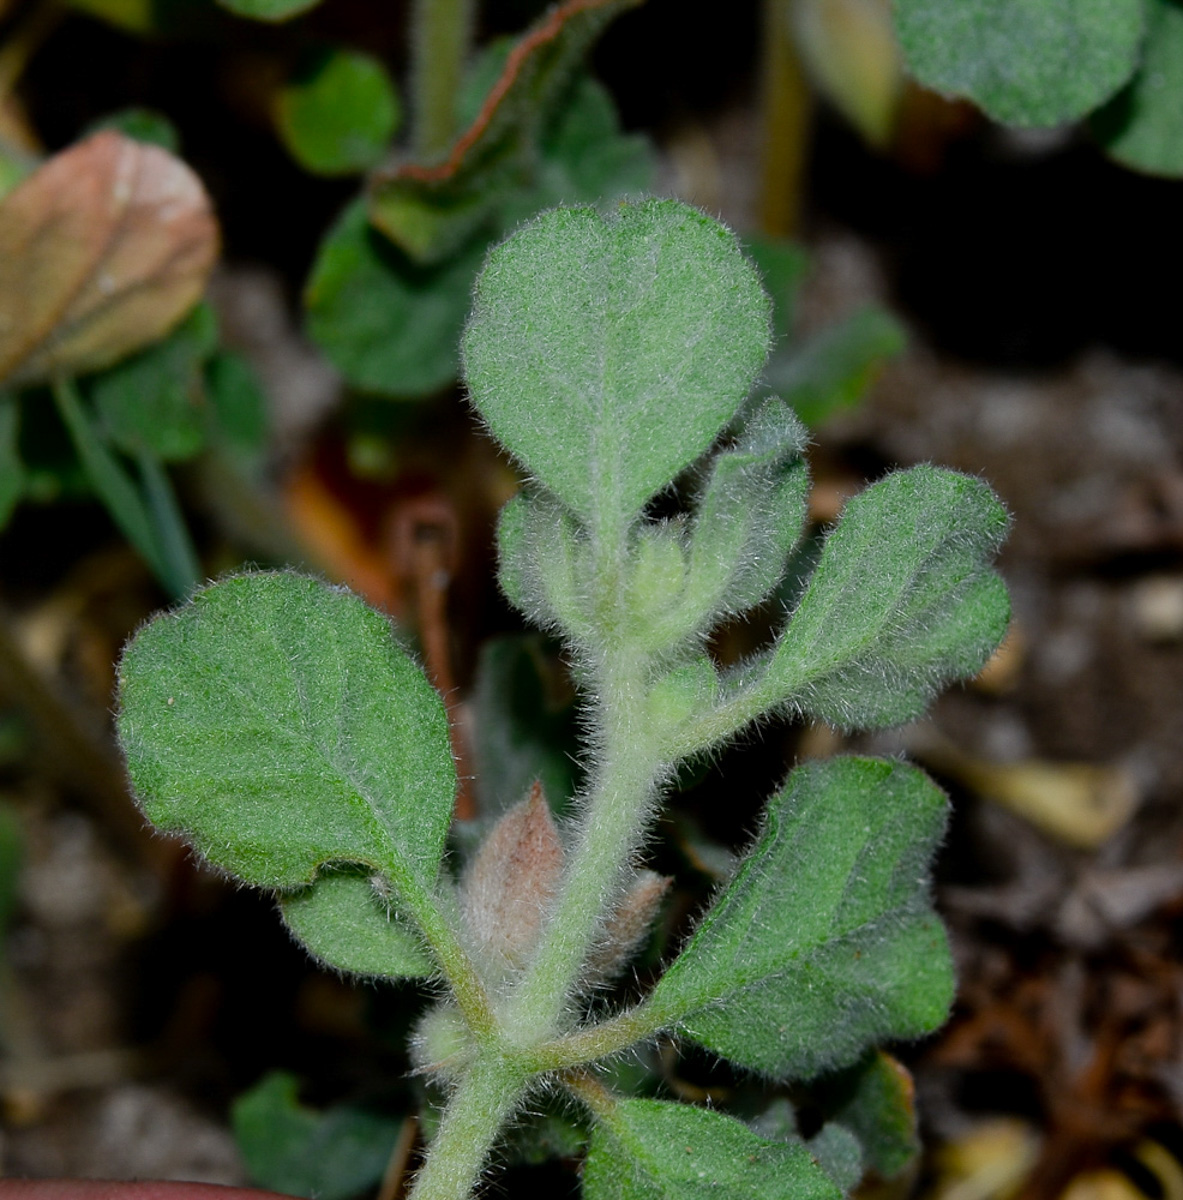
(615, 807)
(483, 1101)
(441, 32)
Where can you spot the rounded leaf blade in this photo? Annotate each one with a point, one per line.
(608, 351)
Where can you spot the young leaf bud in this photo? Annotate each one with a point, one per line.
(511, 882)
(685, 691)
(442, 1043)
(627, 927)
(658, 572)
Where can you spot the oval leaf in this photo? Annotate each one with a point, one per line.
(337, 116)
(658, 1150)
(825, 942)
(608, 352)
(1143, 126)
(276, 723)
(1025, 62)
(903, 601)
(102, 251)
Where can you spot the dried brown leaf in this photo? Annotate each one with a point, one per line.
(103, 250)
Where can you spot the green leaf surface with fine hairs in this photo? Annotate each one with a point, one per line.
(658, 1150)
(275, 722)
(876, 1101)
(839, 1154)
(429, 209)
(750, 515)
(902, 602)
(1025, 62)
(331, 1155)
(834, 368)
(645, 330)
(271, 11)
(824, 943)
(12, 470)
(343, 922)
(1142, 126)
(390, 326)
(154, 401)
(336, 116)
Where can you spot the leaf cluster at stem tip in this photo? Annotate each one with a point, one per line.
(279, 724)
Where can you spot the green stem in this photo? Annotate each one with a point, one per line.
(453, 959)
(612, 827)
(483, 1101)
(441, 33)
(596, 1042)
(172, 536)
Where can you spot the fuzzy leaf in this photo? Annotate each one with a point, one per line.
(1025, 62)
(330, 1155)
(875, 1100)
(833, 370)
(388, 325)
(276, 723)
(154, 401)
(824, 943)
(338, 114)
(750, 515)
(1142, 127)
(342, 921)
(903, 600)
(430, 209)
(607, 353)
(658, 1150)
(102, 251)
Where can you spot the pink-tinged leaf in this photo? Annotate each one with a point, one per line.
(102, 251)
(512, 881)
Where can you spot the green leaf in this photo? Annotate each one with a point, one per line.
(1142, 127)
(876, 1100)
(339, 112)
(276, 722)
(903, 601)
(142, 125)
(750, 514)
(525, 729)
(838, 1153)
(12, 470)
(645, 331)
(330, 1155)
(342, 920)
(584, 157)
(783, 265)
(1025, 62)
(268, 10)
(388, 325)
(431, 209)
(154, 401)
(824, 943)
(833, 370)
(658, 1150)
(237, 403)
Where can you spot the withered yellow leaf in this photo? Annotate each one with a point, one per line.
(102, 250)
